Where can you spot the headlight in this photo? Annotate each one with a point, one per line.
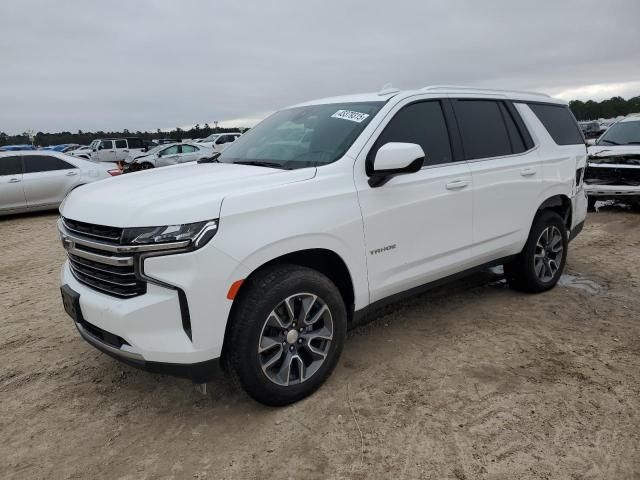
(198, 234)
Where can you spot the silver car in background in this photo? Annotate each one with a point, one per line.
(33, 180)
(172, 154)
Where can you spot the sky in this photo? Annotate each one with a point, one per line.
(147, 64)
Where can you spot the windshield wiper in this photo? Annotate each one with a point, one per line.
(633, 143)
(609, 141)
(258, 163)
(212, 159)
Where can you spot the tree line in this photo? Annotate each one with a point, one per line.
(589, 110)
(43, 139)
(610, 108)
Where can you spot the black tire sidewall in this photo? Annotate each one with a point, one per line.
(544, 220)
(264, 294)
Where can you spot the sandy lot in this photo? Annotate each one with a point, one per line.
(469, 381)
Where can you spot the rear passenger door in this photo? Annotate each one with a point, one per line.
(418, 227)
(11, 191)
(47, 179)
(506, 172)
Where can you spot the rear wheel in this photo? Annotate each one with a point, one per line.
(539, 266)
(591, 204)
(287, 334)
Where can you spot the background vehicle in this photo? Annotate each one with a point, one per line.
(83, 151)
(613, 171)
(63, 147)
(16, 148)
(116, 150)
(317, 216)
(219, 141)
(40, 180)
(172, 154)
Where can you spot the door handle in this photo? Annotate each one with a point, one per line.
(456, 184)
(528, 172)
(14, 180)
(71, 174)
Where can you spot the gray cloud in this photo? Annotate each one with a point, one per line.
(91, 65)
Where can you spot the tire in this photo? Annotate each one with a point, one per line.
(287, 369)
(145, 166)
(591, 204)
(526, 272)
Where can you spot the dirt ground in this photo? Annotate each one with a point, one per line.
(473, 380)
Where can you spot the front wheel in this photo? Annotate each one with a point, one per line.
(287, 334)
(539, 266)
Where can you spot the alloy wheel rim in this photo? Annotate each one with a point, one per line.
(295, 339)
(548, 254)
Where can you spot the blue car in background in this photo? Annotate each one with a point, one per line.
(63, 147)
(13, 148)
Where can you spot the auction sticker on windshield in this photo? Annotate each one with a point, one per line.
(350, 115)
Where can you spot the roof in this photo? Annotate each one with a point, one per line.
(632, 117)
(387, 93)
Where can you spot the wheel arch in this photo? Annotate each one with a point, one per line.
(323, 260)
(559, 203)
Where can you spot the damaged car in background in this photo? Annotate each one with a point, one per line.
(613, 170)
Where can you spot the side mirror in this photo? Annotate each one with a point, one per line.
(395, 158)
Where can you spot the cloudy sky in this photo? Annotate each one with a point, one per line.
(147, 64)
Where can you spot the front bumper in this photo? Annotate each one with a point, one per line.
(612, 190)
(117, 348)
(152, 324)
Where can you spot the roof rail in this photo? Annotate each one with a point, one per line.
(488, 90)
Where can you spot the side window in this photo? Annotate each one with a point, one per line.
(121, 144)
(559, 122)
(106, 145)
(517, 142)
(44, 163)
(189, 149)
(10, 166)
(135, 143)
(173, 150)
(482, 128)
(422, 123)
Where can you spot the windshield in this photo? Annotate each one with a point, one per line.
(94, 144)
(622, 133)
(211, 137)
(301, 137)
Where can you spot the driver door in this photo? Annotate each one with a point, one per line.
(106, 151)
(417, 227)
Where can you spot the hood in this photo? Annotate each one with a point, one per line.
(621, 154)
(171, 195)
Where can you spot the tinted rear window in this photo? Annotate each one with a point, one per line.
(482, 127)
(559, 122)
(44, 163)
(10, 166)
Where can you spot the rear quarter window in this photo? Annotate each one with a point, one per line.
(559, 122)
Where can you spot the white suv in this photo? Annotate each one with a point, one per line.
(315, 217)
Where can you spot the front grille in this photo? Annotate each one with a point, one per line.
(603, 174)
(97, 266)
(119, 281)
(95, 232)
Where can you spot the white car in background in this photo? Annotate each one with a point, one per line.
(220, 141)
(173, 154)
(113, 150)
(40, 180)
